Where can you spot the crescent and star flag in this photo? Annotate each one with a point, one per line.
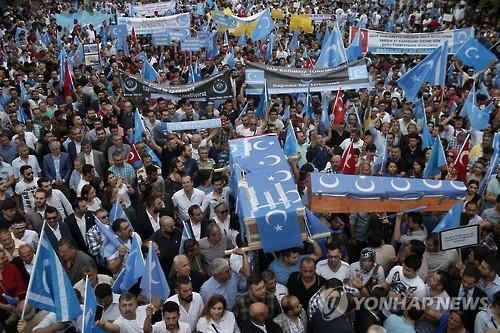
(451, 219)
(347, 164)
(475, 55)
(291, 144)
(432, 70)
(333, 52)
(153, 282)
(338, 108)
(462, 160)
(436, 160)
(89, 310)
(50, 288)
(263, 27)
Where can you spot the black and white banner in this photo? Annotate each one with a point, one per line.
(282, 80)
(212, 88)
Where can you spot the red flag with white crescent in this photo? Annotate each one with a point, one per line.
(133, 37)
(133, 158)
(462, 160)
(348, 163)
(338, 108)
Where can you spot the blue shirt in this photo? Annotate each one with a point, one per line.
(397, 324)
(229, 289)
(8, 152)
(282, 272)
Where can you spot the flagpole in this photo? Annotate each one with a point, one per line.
(462, 149)
(85, 302)
(150, 257)
(35, 262)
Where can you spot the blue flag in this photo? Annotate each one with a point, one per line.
(153, 282)
(354, 50)
(230, 61)
(270, 46)
(432, 70)
(121, 44)
(242, 41)
(135, 267)
(263, 103)
(186, 234)
(492, 166)
(191, 78)
(118, 31)
(226, 38)
(326, 36)
(427, 138)
(154, 157)
(212, 50)
(139, 127)
(476, 55)
(379, 165)
(19, 31)
(148, 72)
(325, 116)
(294, 42)
(51, 289)
(484, 91)
(263, 27)
(90, 307)
(451, 219)
(478, 118)
(110, 239)
(333, 52)
(314, 224)
(436, 160)
(291, 144)
(46, 38)
(117, 213)
(62, 66)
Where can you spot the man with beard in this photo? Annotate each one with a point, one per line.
(256, 293)
(26, 188)
(35, 216)
(131, 319)
(170, 323)
(190, 303)
(168, 239)
(148, 220)
(55, 198)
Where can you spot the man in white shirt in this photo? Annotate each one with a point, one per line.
(55, 198)
(26, 188)
(20, 232)
(190, 303)
(131, 319)
(185, 198)
(25, 159)
(104, 297)
(30, 138)
(357, 143)
(333, 266)
(170, 322)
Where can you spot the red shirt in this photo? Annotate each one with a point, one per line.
(12, 283)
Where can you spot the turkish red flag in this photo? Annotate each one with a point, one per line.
(364, 38)
(462, 160)
(338, 109)
(133, 158)
(348, 163)
(309, 63)
(68, 82)
(133, 37)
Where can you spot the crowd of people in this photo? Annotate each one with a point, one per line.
(66, 160)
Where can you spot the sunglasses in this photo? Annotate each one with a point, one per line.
(105, 217)
(223, 211)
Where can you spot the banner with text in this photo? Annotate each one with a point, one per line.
(190, 125)
(149, 9)
(379, 42)
(283, 80)
(150, 25)
(212, 88)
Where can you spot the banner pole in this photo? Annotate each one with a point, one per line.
(35, 262)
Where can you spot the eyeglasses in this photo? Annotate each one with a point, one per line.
(451, 156)
(104, 217)
(223, 211)
(28, 173)
(253, 124)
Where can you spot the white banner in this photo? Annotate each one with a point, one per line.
(163, 8)
(150, 25)
(379, 42)
(459, 237)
